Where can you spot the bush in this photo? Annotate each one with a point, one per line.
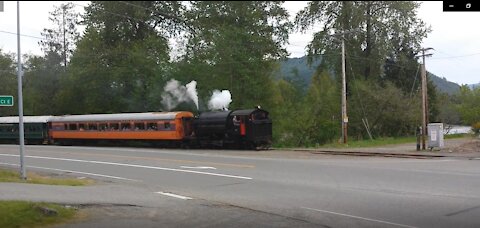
(476, 128)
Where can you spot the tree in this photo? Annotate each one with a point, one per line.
(62, 37)
(469, 107)
(432, 99)
(43, 74)
(8, 77)
(42, 83)
(287, 101)
(448, 109)
(235, 45)
(321, 112)
(123, 58)
(382, 29)
(388, 110)
(307, 120)
(403, 70)
(382, 40)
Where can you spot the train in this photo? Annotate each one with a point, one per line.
(237, 129)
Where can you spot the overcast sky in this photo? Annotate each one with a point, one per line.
(455, 36)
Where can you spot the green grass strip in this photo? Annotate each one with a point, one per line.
(385, 141)
(33, 178)
(30, 214)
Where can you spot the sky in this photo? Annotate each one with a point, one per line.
(455, 36)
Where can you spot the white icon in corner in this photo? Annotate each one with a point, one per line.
(468, 6)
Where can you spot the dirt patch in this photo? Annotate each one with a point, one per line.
(470, 146)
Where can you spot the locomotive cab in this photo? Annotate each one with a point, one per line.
(252, 127)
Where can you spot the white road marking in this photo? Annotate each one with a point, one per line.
(183, 152)
(145, 158)
(358, 217)
(132, 165)
(175, 195)
(437, 172)
(119, 150)
(430, 161)
(71, 171)
(203, 153)
(397, 160)
(197, 167)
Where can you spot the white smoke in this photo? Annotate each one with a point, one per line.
(220, 100)
(174, 94)
(192, 92)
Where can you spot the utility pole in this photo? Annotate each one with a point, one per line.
(23, 172)
(64, 39)
(344, 95)
(344, 87)
(424, 97)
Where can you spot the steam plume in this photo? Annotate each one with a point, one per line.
(220, 100)
(174, 94)
(192, 92)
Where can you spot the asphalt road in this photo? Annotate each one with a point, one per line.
(214, 188)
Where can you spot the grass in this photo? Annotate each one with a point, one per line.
(457, 136)
(372, 143)
(384, 141)
(29, 214)
(34, 178)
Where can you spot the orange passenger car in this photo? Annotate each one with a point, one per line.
(152, 126)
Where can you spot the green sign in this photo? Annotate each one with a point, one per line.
(6, 100)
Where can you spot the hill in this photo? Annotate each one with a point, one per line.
(474, 85)
(443, 85)
(297, 70)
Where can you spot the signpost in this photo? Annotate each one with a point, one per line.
(6, 100)
(23, 171)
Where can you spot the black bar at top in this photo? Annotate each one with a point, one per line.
(461, 6)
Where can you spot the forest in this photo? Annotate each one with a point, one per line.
(123, 62)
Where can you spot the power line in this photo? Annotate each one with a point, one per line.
(414, 81)
(458, 56)
(30, 36)
(360, 98)
(404, 66)
(294, 45)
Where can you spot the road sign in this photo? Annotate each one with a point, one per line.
(6, 100)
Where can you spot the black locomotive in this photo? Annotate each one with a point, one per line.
(248, 129)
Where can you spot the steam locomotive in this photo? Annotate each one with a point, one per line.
(239, 129)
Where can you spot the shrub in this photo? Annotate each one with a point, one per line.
(476, 128)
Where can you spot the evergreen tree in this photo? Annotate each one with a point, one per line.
(234, 46)
(376, 30)
(123, 59)
(8, 77)
(62, 37)
(469, 107)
